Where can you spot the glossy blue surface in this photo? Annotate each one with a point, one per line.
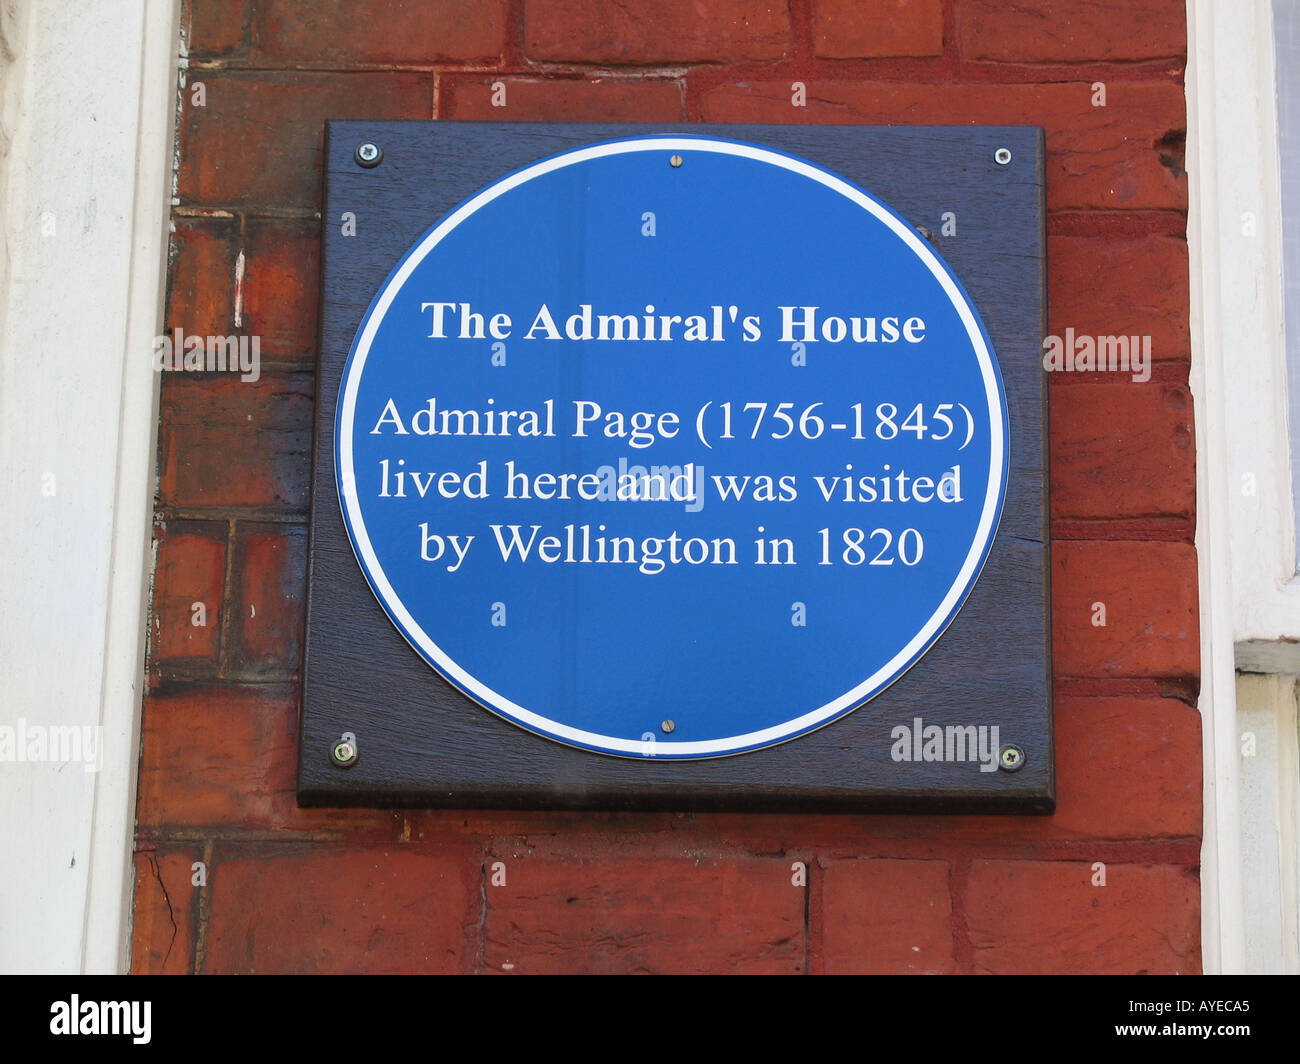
(599, 654)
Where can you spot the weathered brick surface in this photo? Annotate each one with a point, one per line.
(382, 890)
(166, 905)
(316, 910)
(1097, 157)
(215, 28)
(1121, 450)
(1045, 31)
(269, 602)
(1127, 768)
(1121, 286)
(638, 915)
(676, 31)
(886, 917)
(190, 571)
(1149, 594)
(587, 100)
(346, 32)
(228, 442)
(1047, 917)
(201, 286)
(281, 286)
(847, 29)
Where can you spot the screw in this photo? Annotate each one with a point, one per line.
(1011, 759)
(676, 160)
(668, 726)
(1002, 156)
(369, 154)
(344, 752)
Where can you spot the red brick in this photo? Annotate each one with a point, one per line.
(1121, 286)
(1121, 450)
(589, 100)
(1149, 591)
(1127, 768)
(201, 289)
(164, 907)
(590, 826)
(381, 31)
(622, 914)
(281, 288)
(886, 917)
(369, 911)
(270, 606)
(1045, 917)
(1096, 156)
(191, 568)
(1045, 31)
(228, 758)
(848, 29)
(670, 31)
(260, 138)
(216, 27)
(227, 442)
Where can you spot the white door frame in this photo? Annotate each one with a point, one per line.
(1249, 595)
(89, 102)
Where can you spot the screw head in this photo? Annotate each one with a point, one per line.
(668, 726)
(1002, 156)
(344, 752)
(675, 161)
(369, 154)
(1011, 759)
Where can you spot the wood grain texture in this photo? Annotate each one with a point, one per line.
(423, 743)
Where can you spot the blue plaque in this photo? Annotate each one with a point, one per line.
(671, 447)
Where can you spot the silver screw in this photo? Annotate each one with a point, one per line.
(676, 160)
(369, 154)
(1011, 759)
(668, 726)
(344, 752)
(1002, 156)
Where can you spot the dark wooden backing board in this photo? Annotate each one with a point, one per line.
(423, 743)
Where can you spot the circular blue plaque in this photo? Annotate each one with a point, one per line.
(671, 447)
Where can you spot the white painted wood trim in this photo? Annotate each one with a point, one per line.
(1249, 594)
(1270, 822)
(1212, 35)
(90, 97)
(107, 945)
(1252, 352)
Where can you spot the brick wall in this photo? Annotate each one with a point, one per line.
(284, 889)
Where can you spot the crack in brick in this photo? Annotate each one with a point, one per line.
(171, 913)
